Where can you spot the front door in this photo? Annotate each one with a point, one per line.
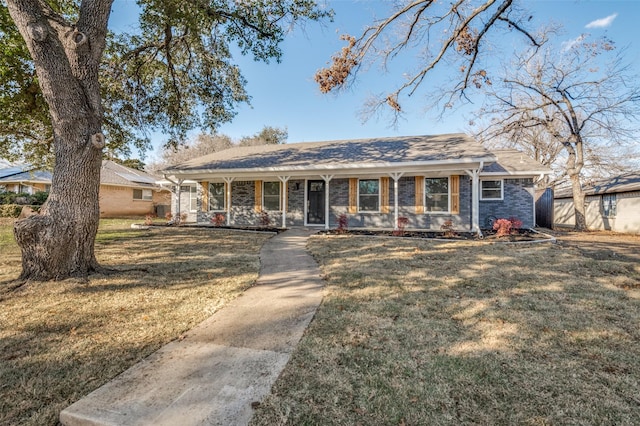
(315, 202)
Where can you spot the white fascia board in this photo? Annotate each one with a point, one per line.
(348, 169)
(167, 182)
(532, 173)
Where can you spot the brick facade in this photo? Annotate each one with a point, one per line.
(117, 201)
(517, 202)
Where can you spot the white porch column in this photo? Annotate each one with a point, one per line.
(396, 177)
(228, 181)
(475, 199)
(284, 180)
(327, 179)
(177, 184)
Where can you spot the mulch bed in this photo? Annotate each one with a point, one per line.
(488, 234)
(231, 228)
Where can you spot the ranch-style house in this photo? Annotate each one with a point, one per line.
(374, 182)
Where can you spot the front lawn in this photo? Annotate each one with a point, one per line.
(61, 340)
(415, 332)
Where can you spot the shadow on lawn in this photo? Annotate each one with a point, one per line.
(421, 332)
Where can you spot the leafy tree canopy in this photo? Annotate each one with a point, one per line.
(175, 74)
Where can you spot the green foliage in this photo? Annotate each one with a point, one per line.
(10, 210)
(175, 75)
(267, 136)
(25, 126)
(36, 199)
(178, 73)
(132, 163)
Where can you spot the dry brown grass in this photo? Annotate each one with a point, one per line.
(422, 332)
(61, 340)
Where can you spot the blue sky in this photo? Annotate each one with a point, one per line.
(285, 94)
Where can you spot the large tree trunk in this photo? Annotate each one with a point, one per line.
(578, 203)
(59, 242)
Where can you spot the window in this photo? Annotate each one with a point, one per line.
(142, 194)
(609, 205)
(491, 190)
(436, 194)
(193, 196)
(368, 195)
(216, 196)
(271, 195)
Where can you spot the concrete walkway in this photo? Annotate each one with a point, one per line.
(226, 363)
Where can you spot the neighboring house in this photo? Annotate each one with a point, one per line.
(123, 191)
(23, 179)
(130, 192)
(427, 179)
(610, 204)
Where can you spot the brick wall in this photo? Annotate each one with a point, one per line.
(518, 202)
(118, 201)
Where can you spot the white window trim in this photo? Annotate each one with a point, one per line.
(224, 197)
(424, 194)
(279, 195)
(142, 193)
(482, 198)
(379, 196)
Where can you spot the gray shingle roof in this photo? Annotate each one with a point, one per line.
(33, 176)
(627, 182)
(512, 161)
(449, 147)
(112, 173)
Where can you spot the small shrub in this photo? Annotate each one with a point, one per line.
(265, 220)
(402, 224)
(10, 210)
(343, 223)
(183, 218)
(218, 219)
(447, 227)
(148, 219)
(168, 216)
(506, 226)
(39, 198)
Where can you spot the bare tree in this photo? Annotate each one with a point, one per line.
(202, 144)
(534, 142)
(580, 98)
(452, 34)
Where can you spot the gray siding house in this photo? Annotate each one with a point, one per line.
(427, 179)
(610, 204)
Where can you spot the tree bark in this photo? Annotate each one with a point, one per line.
(59, 242)
(578, 203)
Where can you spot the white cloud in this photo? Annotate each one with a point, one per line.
(566, 45)
(602, 23)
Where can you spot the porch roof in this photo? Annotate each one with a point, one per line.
(377, 155)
